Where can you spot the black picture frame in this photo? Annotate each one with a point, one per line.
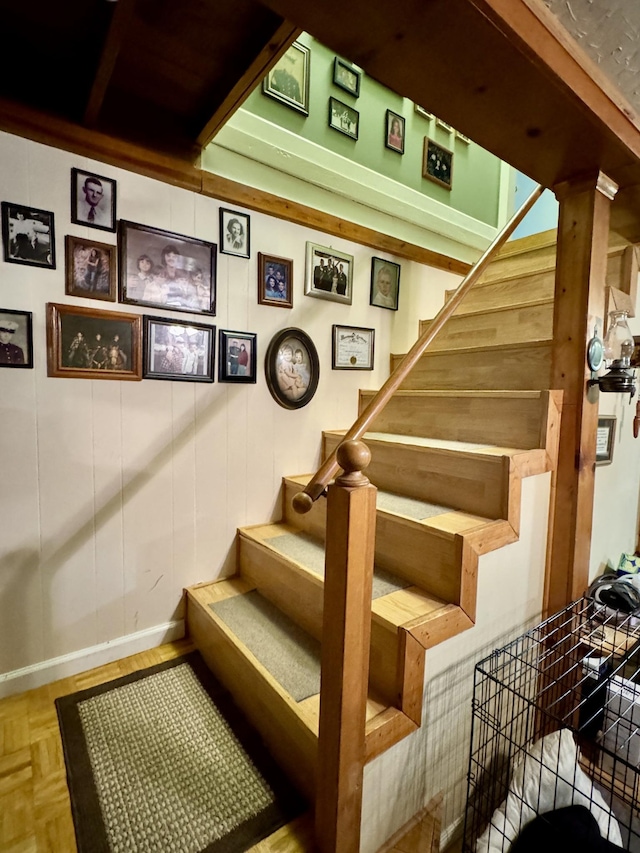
(288, 80)
(90, 269)
(292, 388)
(352, 348)
(394, 132)
(385, 284)
(237, 356)
(328, 274)
(178, 351)
(343, 118)
(605, 439)
(93, 200)
(28, 236)
(437, 163)
(235, 233)
(16, 338)
(275, 281)
(346, 76)
(150, 275)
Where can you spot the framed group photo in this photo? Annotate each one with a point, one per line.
(328, 274)
(394, 136)
(234, 233)
(292, 368)
(16, 338)
(346, 76)
(181, 351)
(343, 118)
(166, 270)
(288, 80)
(237, 356)
(275, 281)
(385, 284)
(90, 269)
(437, 163)
(352, 348)
(93, 200)
(83, 343)
(28, 236)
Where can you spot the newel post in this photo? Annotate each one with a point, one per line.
(346, 630)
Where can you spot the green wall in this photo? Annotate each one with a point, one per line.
(476, 173)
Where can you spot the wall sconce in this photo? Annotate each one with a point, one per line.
(617, 349)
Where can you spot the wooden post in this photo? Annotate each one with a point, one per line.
(581, 266)
(346, 630)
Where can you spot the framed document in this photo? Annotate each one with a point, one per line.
(605, 437)
(352, 348)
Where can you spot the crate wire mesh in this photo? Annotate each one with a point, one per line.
(578, 670)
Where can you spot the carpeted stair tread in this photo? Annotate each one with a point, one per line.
(309, 552)
(286, 651)
(411, 507)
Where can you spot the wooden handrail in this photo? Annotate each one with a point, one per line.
(303, 501)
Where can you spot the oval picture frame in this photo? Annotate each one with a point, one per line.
(292, 380)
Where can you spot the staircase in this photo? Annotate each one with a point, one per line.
(448, 463)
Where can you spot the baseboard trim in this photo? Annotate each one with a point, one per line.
(44, 672)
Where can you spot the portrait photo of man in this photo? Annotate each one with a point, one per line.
(16, 348)
(93, 200)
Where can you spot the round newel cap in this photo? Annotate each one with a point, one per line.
(353, 456)
(302, 503)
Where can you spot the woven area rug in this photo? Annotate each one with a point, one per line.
(162, 761)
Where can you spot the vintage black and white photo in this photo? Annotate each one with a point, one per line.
(28, 236)
(343, 118)
(16, 338)
(235, 233)
(288, 80)
(93, 200)
(328, 274)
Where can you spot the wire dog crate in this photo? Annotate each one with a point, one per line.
(556, 722)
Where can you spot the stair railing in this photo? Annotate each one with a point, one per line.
(304, 500)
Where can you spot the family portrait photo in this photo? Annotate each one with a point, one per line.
(93, 200)
(234, 233)
(292, 368)
(237, 356)
(178, 351)
(385, 284)
(329, 274)
(288, 80)
(343, 118)
(28, 236)
(437, 163)
(346, 76)
(16, 338)
(166, 270)
(275, 281)
(90, 269)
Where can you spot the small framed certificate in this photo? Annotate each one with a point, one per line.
(605, 437)
(352, 348)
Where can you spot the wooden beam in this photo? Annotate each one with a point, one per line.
(583, 232)
(277, 45)
(120, 20)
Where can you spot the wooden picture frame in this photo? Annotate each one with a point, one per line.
(28, 236)
(346, 76)
(178, 351)
(343, 118)
(90, 269)
(87, 343)
(237, 356)
(93, 200)
(385, 284)
(16, 338)
(352, 348)
(292, 368)
(394, 132)
(635, 356)
(275, 281)
(328, 274)
(605, 439)
(437, 163)
(288, 80)
(235, 233)
(161, 269)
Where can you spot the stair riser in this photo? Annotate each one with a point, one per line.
(514, 369)
(511, 421)
(538, 287)
(510, 266)
(494, 328)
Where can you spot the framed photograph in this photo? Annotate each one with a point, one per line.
(352, 348)
(422, 112)
(182, 351)
(635, 355)
(343, 118)
(275, 281)
(16, 338)
(437, 163)
(346, 76)
(28, 236)
(90, 269)
(292, 368)
(288, 80)
(237, 356)
(93, 200)
(83, 343)
(605, 438)
(394, 132)
(234, 233)
(329, 274)
(166, 270)
(385, 284)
